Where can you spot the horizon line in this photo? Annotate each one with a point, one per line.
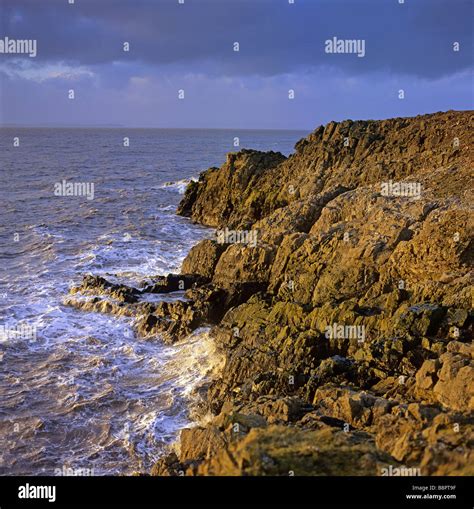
(39, 126)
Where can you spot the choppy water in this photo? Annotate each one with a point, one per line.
(81, 392)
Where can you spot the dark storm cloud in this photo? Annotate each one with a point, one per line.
(275, 38)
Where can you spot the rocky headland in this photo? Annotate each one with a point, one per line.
(339, 290)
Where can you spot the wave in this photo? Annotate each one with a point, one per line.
(178, 186)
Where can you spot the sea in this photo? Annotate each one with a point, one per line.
(80, 393)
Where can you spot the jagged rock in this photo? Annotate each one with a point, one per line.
(334, 251)
(100, 305)
(174, 283)
(243, 264)
(330, 368)
(449, 446)
(266, 409)
(242, 422)
(457, 317)
(422, 320)
(449, 379)
(167, 466)
(97, 285)
(455, 386)
(226, 196)
(436, 441)
(427, 376)
(170, 320)
(287, 409)
(360, 409)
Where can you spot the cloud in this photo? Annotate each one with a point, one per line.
(190, 47)
(275, 37)
(29, 70)
(151, 99)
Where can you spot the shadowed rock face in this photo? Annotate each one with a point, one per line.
(347, 326)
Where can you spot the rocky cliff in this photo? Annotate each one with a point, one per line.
(339, 288)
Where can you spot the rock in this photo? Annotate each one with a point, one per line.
(330, 368)
(422, 320)
(427, 376)
(200, 443)
(287, 409)
(167, 466)
(245, 422)
(390, 272)
(455, 385)
(457, 317)
(225, 197)
(449, 380)
(97, 285)
(265, 409)
(243, 264)
(434, 440)
(174, 283)
(360, 409)
(448, 449)
(203, 258)
(282, 451)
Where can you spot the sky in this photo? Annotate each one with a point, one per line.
(422, 47)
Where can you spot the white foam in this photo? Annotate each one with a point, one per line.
(178, 186)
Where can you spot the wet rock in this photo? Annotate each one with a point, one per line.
(174, 283)
(100, 305)
(98, 285)
(171, 321)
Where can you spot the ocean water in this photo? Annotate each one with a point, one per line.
(79, 393)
